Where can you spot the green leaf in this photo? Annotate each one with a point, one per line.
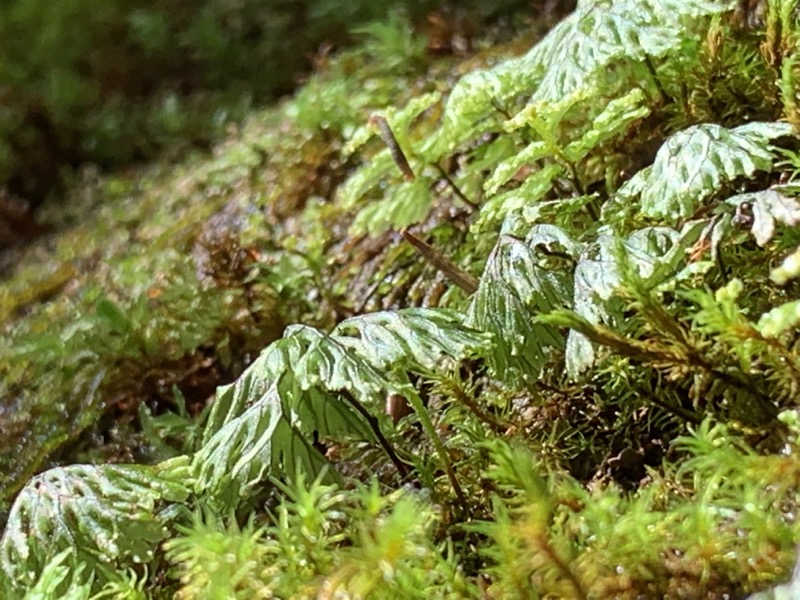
(508, 168)
(470, 107)
(583, 47)
(404, 204)
(107, 512)
(364, 179)
(263, 440)
(240, 452)
(604, 33)
(413, 338)
(234, 399)
(399, 120)
(305, 358)
(657, 254)
(266, 422)
(695, 163)
(614, 120)
(335, 363)
(516, 286)
(536, 187)
(546, 121)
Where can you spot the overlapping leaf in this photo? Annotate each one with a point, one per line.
(657, 254)
(412, 338)
(545, 119)
(404, 204)
(694, 163)
(264, 439)
(267, 419)
(515, 287)
(596, 36)
(602, 33)
(234, 399)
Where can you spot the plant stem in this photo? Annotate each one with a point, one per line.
(394, 147)
(401, 467)
(461, 278)
(456, 190)
(659, 86)
(425, 420)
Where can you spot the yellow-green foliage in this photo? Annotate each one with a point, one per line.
(609, 413)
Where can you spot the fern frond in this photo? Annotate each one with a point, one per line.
(238, 456)
(398, 119)
(404, 204)
(311, 383)
(101, 513)
(366, 178)
(657, 255)
(600, 34)
(412, 339)
(535, 187)
(515, 286)
(583, 46)
(613, 120)
(545, 120)
(694, 163)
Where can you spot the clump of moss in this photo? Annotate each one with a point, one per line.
(584, 415)
(189, 270)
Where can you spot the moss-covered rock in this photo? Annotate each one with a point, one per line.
(573, 240)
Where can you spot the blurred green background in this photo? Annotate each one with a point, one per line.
(113, 82)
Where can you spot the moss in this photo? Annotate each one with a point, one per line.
(616, 419)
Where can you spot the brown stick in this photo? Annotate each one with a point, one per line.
(387, 135)
(461, 278)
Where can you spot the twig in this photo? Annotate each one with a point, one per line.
(401, 467)
(387, 135)
(461, 278)
(425, 420)
(660, 86)
(473, 205)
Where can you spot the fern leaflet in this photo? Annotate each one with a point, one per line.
(516, 285)
(106, 513)
(311, 383)
(694, 163)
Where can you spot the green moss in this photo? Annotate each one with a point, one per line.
(610, 413)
